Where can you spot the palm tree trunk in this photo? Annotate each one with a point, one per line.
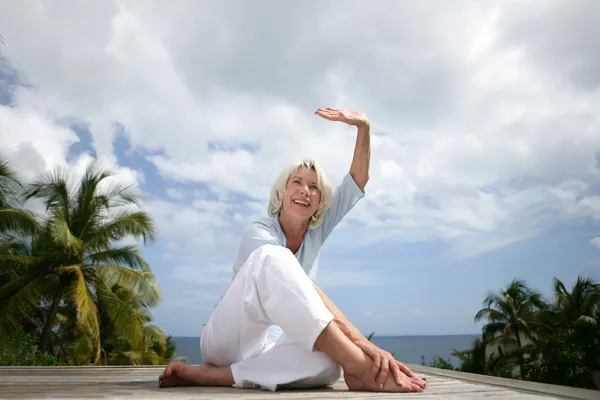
(520, 362)
(47, 329)
(518, 337)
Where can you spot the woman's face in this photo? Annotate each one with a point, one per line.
(302, 196)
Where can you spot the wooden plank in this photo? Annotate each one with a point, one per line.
(136, 382)
(557, 391)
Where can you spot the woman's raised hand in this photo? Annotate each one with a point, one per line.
(350, 117)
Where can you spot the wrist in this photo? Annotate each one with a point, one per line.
(360, 340)
(364, 126)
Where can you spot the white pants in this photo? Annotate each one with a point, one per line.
(271, 288)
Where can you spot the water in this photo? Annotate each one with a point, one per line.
(406, 348)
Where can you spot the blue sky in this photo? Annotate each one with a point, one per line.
(485, 147)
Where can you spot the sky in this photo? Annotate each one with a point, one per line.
(485, 138)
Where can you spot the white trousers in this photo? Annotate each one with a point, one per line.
(271, 288)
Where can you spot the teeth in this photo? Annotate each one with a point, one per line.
(301, 202)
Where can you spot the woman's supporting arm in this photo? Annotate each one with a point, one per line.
(340, 319)
(383, 361)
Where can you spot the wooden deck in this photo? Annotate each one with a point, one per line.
(141, 383)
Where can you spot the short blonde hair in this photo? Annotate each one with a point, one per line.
(278, 190)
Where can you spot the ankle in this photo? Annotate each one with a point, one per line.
(219, 376)
(358, 365)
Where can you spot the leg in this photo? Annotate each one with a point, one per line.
(271, 289)
(286, 365)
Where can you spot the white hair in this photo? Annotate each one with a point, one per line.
(278, 190)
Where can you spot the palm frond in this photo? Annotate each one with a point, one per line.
(10, 185)
(53, 188)
(125, 318)
(62, 232)
(127, 256)
(14, 285)
(127, 224)
(87, 312)
(25, 303)
(141, 283)
(123, 194)
(19, 221)
(155, 335)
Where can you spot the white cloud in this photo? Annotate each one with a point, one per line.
(32, 140)
(202, 275)
(595, 241)
(467, 126)
(339, 277)
(175, 194)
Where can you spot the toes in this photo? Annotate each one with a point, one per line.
(166, 383)
(421, 383)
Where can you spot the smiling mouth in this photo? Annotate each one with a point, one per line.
(302, 203)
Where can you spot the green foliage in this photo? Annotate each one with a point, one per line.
(559, 359)
(562, 335)
(65, 280)
(20, 349)
(438, 362)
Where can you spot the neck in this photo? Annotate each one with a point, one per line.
(293, 229)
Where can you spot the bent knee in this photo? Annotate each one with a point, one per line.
(273, 250)
(275, 255)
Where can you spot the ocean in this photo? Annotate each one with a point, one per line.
(407, 349)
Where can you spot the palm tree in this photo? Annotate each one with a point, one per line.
(510, 314)
(579, 307)
(578, 313)
(117, 345)
(79, 255)
(13, 219)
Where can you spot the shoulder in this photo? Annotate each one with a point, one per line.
(345, 197)
(257, 233)
(261, 231)
(349, 188)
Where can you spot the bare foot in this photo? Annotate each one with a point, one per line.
(180, 374)
(364, 382)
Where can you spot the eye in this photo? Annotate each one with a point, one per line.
(297, 181)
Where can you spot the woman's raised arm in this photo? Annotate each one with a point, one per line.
(359, 169)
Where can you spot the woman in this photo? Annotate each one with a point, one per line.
(274, 327)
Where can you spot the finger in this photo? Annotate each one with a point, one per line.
(328, 115)
(376, 365)
(398, 375)
(385, 369)
(405, 369)
(327, 111)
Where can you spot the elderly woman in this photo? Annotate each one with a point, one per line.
(275, 328)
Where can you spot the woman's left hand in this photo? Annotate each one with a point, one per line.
(349, 117)
(384, 362)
